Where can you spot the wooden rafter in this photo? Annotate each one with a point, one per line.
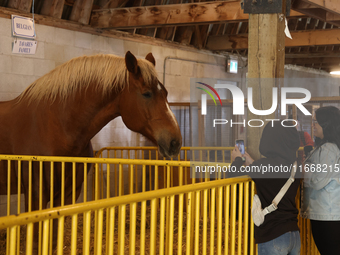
(81, 11)
(326, 10)
(301, 61)
(53, 8)
(170, 15)
(300, 38)
(328, 5)
(329, 54)
(22, 5)
(112, 3)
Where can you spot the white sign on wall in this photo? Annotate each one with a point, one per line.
(24, 47)
(23, 27)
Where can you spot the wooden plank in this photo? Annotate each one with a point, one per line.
(328, 5)
(300, 61)
(81, 11)
(22, 5)
(324, 10)
(162, 33)
(313, 38)
(227, 42)
(53, 8)
(332, 16)
(165, 33)
(330, 54)
(106, 4)
(198, 37)
(184, 34)
(300, 38)
(298, 5)
(170, 15)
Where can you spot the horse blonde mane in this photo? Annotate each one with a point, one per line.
(107, 71)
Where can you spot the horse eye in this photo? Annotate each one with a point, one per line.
(147, 94)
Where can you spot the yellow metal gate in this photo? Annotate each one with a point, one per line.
(209, 217)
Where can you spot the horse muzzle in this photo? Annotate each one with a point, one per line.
(170, 149)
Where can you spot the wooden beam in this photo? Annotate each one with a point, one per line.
(328, 5)
(81, 11)
(332, 17)
(170, 15)
(22, 5)
(184, 34)
(198, 37)
(298, 5)
(300, 38)
(53, 8)
(106, 4)
(324, 10)
(306, 61)
(329, 54)
(314, 38)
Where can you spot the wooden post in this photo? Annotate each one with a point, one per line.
(266, 58)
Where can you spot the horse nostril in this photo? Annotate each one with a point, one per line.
(174, 144)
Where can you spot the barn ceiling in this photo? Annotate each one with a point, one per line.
(218, 26)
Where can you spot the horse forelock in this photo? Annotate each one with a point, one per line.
(148, 71)
(108, 72)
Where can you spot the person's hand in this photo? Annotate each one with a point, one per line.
(249, 159)
(235, 153)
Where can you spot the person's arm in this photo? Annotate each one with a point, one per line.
(238, 161)
(320, 168)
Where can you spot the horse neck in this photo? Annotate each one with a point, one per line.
(81, 117)
(92, 111)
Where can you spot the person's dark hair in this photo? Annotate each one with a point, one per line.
(329, 119)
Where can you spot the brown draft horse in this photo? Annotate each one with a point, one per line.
(60, 113)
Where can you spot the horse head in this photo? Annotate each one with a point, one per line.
(144, 107)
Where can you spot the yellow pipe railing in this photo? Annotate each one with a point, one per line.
(98, 207)
(196, 204)
(61, 213)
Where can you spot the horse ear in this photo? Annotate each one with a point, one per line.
(150, 58)
(131, 63)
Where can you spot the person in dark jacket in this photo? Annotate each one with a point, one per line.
(279, 233)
